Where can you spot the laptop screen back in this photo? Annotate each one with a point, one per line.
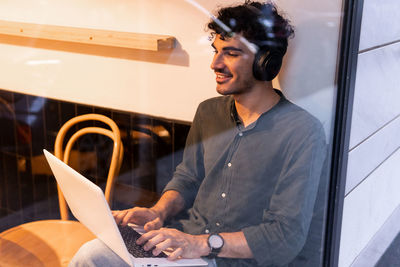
(87, 203)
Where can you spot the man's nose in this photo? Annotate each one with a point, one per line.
(217, 62)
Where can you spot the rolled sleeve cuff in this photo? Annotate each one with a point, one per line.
(257, 245)
(269, 249)
(186, 190)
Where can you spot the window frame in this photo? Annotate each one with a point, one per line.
(345, 77)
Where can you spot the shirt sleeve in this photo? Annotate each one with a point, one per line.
(190, 172)
(286, 220)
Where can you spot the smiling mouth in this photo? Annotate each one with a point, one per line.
(222, 78)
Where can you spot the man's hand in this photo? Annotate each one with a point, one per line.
(149, 218)
(183, 245)
(170, 203)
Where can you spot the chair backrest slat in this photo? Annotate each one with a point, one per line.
(64, 155)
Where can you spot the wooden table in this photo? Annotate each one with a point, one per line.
(42, 243)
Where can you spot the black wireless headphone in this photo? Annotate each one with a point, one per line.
(267, 63)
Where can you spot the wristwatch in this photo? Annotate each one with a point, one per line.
(215, 242)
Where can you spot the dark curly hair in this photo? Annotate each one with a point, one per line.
(260, 23)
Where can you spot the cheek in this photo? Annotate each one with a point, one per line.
(244, 70)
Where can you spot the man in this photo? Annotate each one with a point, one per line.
(252, 162)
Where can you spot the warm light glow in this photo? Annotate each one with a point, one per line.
(252, 47)
(42, 62)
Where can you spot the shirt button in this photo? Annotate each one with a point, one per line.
(217, 224)
(229, 164)
(223, 195)
(207, 231)
(240, 134)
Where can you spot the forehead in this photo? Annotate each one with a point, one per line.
(233, 43)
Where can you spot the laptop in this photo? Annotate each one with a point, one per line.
(88, 204)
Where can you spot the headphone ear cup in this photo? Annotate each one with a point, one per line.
(266, 64)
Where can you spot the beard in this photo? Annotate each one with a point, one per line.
(233, 87)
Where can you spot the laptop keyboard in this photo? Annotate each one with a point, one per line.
(129, 235)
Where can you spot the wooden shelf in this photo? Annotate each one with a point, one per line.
(141, 41)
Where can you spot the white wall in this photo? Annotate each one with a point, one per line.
(131, 84)
(309, 72)
(373, 170)
(169, 85)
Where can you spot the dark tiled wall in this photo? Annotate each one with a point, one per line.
(152, 149)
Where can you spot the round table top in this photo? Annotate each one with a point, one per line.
(42, 243)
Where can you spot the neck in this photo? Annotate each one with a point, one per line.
(250, 106)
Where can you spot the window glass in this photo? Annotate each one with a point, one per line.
(239, 120)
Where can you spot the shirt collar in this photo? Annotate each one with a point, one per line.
(234, 114)
(235, 117)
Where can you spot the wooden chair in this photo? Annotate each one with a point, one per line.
(54, 242)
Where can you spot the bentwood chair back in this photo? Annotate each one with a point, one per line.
(64, 154)
(53, 243)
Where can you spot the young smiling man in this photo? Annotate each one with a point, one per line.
(233, 65)
(252, 162)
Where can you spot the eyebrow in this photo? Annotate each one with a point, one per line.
(228, 48)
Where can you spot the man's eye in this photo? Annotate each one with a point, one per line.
(232, 54)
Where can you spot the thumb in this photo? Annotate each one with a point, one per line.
(153, 225)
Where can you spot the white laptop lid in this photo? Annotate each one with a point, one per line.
(88, 204)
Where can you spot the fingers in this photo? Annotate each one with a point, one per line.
(122, 217)
(140, 216)
(176, 254)
(146, 236)
(130, 218)
(158, 241)
(153, 242)
(119, 215)
(164, 245)
(183, 245)
(153, 225)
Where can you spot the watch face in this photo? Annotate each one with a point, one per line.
(216, 241)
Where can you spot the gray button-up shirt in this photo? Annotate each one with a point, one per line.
(261, 179)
